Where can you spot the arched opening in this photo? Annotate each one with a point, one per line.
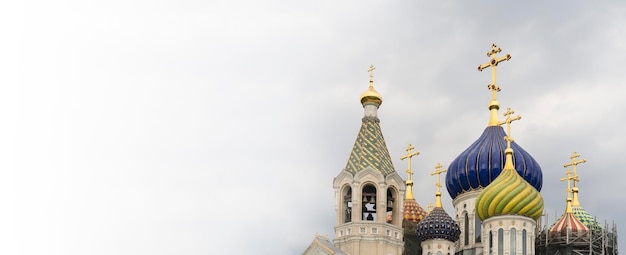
(347, 204)
(390, 205)
(490, 242)
(369, 203)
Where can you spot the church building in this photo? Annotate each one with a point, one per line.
(495, 186)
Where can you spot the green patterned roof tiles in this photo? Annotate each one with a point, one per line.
(370, 149)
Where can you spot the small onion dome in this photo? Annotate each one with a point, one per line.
(586, 218)
(482, 162)
(371, 96)
(509, 194)
(568, 222)
(438, 224)
(413, 211)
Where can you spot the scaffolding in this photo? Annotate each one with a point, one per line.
(597, 241)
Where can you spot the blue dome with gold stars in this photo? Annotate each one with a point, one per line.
(483, 161)
(438, 224)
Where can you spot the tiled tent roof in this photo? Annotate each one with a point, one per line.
(370, 149)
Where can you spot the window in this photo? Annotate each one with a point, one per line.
(490, 242)
(524, 242)
(478, 227)
(513, 236)
(500, 241)
(466, 230)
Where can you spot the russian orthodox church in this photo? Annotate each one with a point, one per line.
(495, 189)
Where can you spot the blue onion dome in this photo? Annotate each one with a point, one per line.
(482, 162)
(438, 224)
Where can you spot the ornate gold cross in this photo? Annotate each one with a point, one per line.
(438, 171)
(409, 155)
(508, 121)
(568, 177)
(573, 165)
(430, 207)
(493, 63)
(371, 71)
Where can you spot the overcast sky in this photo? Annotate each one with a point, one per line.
(198, 127)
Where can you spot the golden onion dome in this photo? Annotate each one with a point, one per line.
(509, 194)
(371, 96)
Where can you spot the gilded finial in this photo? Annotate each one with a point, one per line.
(508, 122)
(370, 95)
(569, 177)
(409, 182)
(438, 171)
(430, 207)
(493, 105)
(575, 179)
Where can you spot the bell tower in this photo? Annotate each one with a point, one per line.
(369, 192)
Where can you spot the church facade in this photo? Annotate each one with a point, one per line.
(494, 184)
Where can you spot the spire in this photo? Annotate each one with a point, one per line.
(575, 179)
(494, 105)
(409, 182)
(369, 149)
(438, 172)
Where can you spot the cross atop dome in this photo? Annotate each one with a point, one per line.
(438, 171)
(409, 155)
(371, 71)
(569, 177)
(508, 122)
(573, 164)
(493, 63)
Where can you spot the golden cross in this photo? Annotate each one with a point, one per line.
(493, 63)
(438, 172)
(569, 176)
(573, 165)
(409, 155)
(430, 207)
(371, 71)
(508, 121)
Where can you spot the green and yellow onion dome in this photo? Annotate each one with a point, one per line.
(586, 218)
(509, 194)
